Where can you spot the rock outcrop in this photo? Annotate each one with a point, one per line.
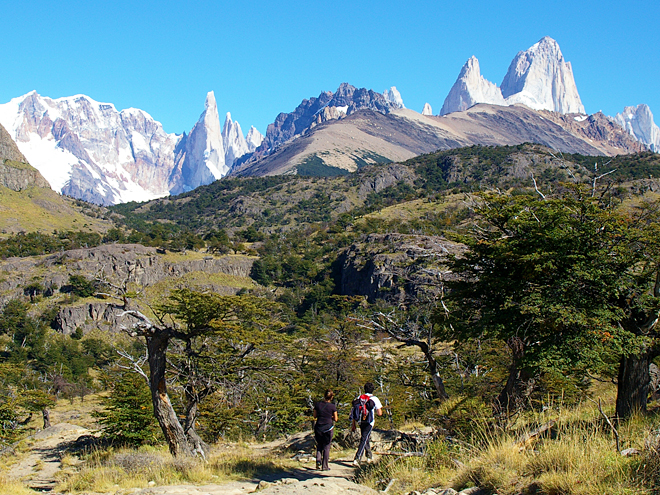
(15, 173)
(469, 89)
(8, 148)
(134, 263)
(19, 176)
(395, 267)
(347, 100)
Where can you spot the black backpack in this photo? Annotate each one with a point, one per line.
(363, 410)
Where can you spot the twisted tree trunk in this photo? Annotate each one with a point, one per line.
(194, 440)
(177, 441)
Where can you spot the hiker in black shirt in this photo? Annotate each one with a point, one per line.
(325, 413)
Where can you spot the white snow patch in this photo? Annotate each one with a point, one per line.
(54, 163)
(139, 143)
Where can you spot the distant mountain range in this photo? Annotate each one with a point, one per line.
(91, 151)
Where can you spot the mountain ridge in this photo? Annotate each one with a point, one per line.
(89, 150)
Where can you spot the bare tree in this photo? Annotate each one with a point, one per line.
(413, 329)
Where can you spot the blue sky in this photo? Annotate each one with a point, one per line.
(263, 57)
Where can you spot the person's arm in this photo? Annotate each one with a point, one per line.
(314, 413)
(335, 416)
(379, 407)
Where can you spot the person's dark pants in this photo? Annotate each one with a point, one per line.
(323, 443)
(365, 435)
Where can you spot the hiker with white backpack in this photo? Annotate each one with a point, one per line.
(363, 413)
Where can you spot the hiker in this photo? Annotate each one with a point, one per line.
(325, 414)
(363, 413)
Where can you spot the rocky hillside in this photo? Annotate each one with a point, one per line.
(341, 146)
(28, 204)
(8, 148)
(15, 172)
(143, 269)
(395, 267)
(271, 204)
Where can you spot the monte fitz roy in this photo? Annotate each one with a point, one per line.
(92, 151)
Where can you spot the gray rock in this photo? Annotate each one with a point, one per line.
(395, 266)
(8, 148)
(115, 262)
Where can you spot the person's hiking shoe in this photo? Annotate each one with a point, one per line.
(356, 463)
(318, 466)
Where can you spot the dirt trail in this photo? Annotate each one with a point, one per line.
(38, 469)
(302, 481)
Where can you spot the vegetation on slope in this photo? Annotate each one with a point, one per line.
(299, 227)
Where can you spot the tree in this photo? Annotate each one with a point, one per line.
(206, 339)
(128, 418)
(567, 283)
(413, 327)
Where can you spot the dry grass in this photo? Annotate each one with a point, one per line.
(38, 209)
(8, 487)
(107, 471)
(577, 456)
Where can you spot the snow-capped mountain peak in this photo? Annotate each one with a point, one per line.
(539, 78)
(88, 149)
(233, 141)
(200, 156)
(254, 139)
(638, 121)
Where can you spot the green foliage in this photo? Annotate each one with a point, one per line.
(80, 286)
(37, 243)
(314, 166)
(127, 418)
(569, 278)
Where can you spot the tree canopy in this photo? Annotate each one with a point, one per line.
(570, 284)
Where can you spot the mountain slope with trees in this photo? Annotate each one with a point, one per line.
(480, 289)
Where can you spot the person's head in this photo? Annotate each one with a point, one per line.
(369, 388)
(329, 395)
